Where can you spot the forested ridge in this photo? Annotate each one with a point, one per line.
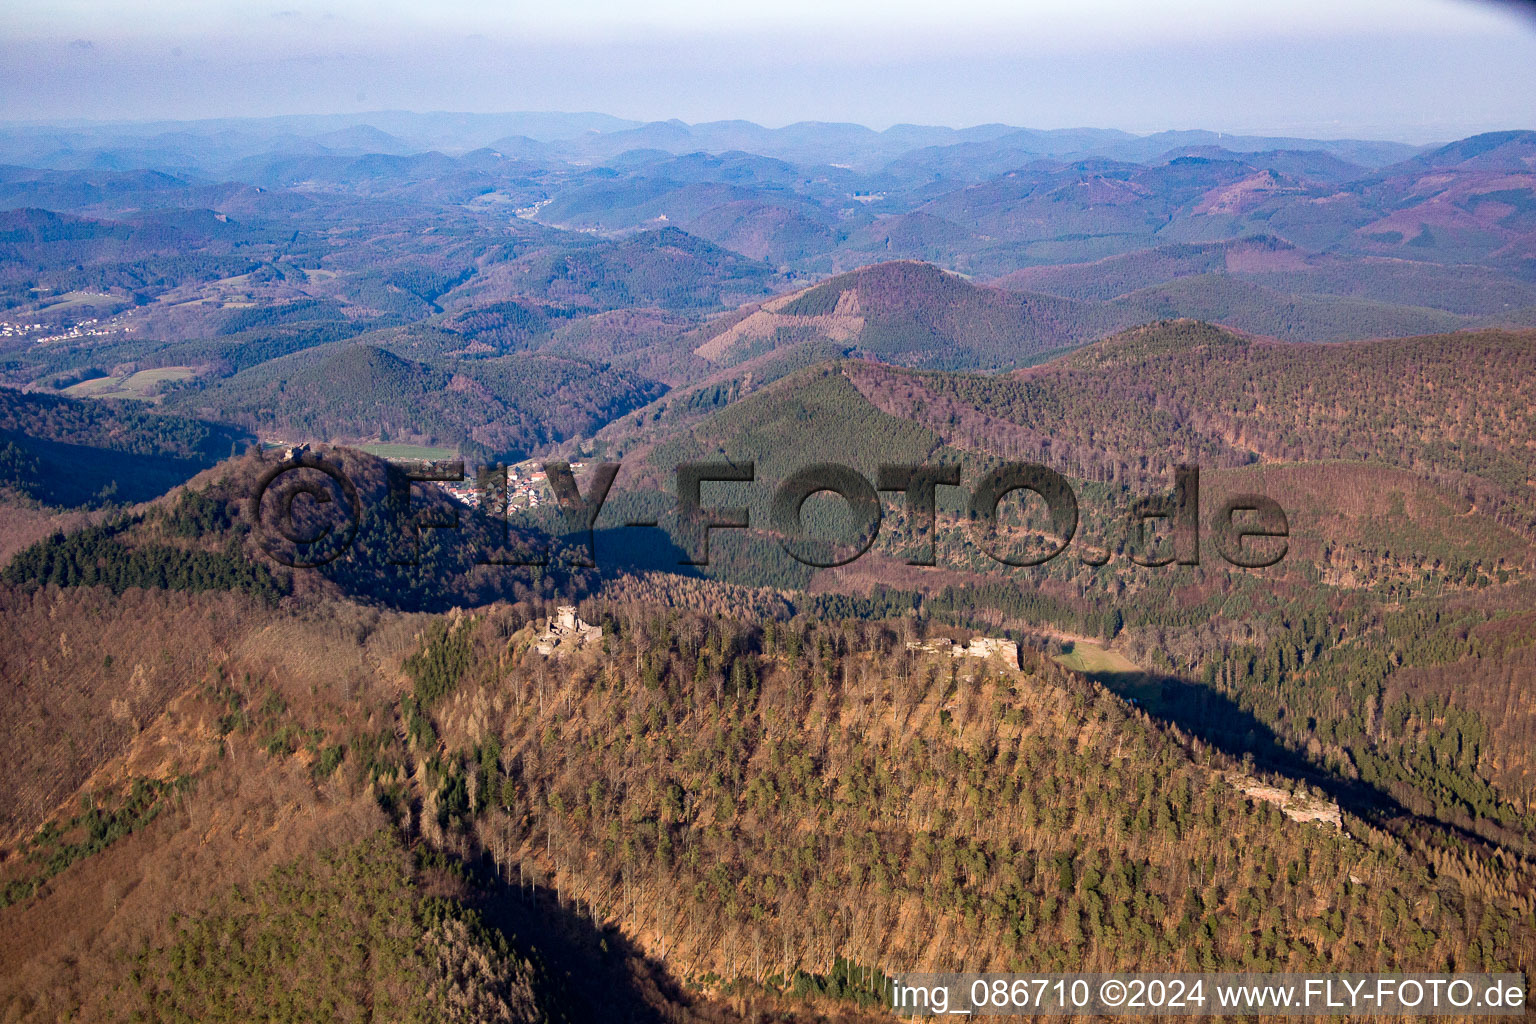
(721, 789)
(783, 811)
(129, 429)
(1451, 407)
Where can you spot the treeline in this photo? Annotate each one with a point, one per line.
(103, 556)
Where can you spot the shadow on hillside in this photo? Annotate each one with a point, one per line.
(593, 973)
(640, 549)
(1217, 720)
(75, 475)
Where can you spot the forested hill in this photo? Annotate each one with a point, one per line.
(911, 313)
(201, 537)
(63, 451)
(131, 428)
(490, 408)
(1450, 407)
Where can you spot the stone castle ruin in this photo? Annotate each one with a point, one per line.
(564, 631)
(984, 647)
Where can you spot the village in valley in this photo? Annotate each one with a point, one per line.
(527, 486)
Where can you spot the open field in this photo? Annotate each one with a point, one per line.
(1090, 658)
(144, 384)
(407, 451)
(1116, 671)
(74, 300)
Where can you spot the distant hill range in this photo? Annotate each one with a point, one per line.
(505, 284)
(589, 136)
(384, 220)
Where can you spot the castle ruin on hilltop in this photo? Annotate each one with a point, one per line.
(984, 647)
(564, 631)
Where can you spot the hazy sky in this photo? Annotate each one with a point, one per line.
(1420, 70)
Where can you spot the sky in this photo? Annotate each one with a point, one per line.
(1415, 70)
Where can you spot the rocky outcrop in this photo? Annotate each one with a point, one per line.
(985, 647)
(1297, 807)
